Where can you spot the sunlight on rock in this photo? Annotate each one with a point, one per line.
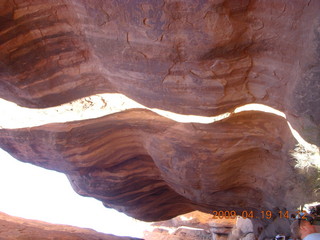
(184, 218)
(306, 156)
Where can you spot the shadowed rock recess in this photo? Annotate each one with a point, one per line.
(189, 57)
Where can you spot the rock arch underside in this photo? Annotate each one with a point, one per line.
(202, 58)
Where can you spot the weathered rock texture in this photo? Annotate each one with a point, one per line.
(192, 57)
(14, 228)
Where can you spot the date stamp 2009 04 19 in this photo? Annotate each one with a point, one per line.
(251, 214)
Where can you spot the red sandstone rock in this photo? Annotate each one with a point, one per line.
(191, 57)
(153, 168)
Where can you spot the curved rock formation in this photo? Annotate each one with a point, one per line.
(153, 168)
(190, 57)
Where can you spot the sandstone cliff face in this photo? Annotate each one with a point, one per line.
(189, 57)
(13, 228)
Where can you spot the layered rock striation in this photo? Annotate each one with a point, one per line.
(200, 58)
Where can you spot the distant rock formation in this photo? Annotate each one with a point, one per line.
(191, 226)
(14, 228)
(201, 226)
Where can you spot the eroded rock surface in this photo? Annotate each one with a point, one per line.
(14, 228)
(191, 57)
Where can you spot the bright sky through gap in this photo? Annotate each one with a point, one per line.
(32, 192)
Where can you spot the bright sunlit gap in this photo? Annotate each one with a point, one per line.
(85, 108)
(32, 192)
(105, 104)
